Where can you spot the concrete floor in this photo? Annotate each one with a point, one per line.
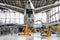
(35, 36)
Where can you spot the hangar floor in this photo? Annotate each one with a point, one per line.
(35, 36)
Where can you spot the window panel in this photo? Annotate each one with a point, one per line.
(57, 18)
(56, 9)
(11, 17)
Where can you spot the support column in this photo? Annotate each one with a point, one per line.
(29, 18)
(47, 13)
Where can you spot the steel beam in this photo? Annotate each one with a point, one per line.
(31, 4)
(40, 9)
(12, 7)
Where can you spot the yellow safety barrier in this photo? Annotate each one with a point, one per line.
(47, 32)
